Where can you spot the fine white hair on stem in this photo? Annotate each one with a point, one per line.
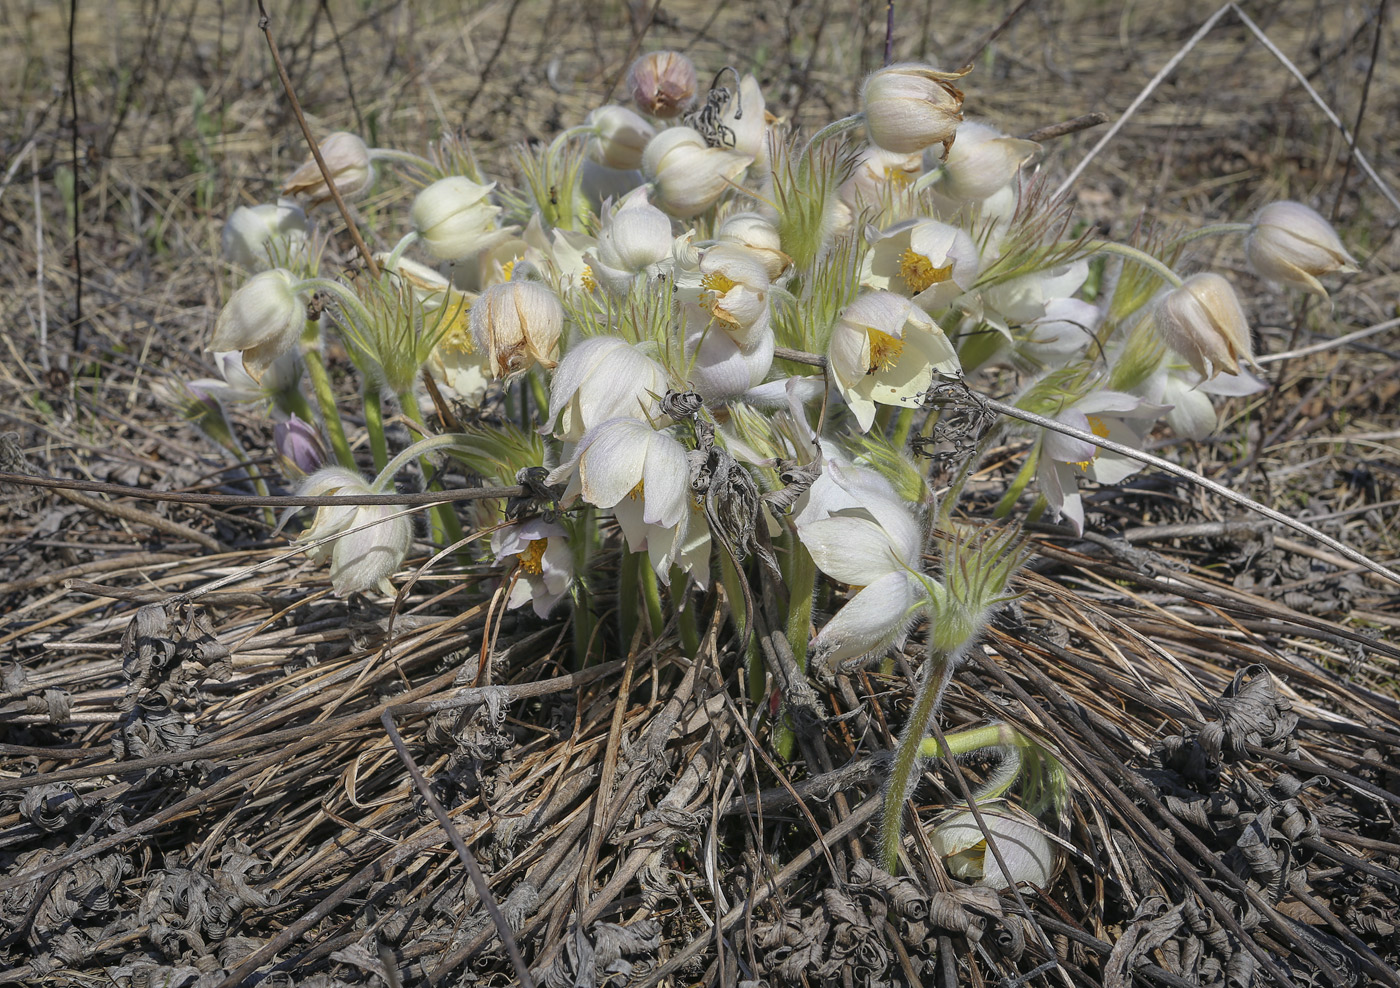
(1206, 27)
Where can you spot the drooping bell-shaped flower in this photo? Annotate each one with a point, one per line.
(1293, 244)
(263, 320)
(618, 138)
(600, 378)
(1205, 323)
(983, 161)
(517, 325)
(456, 219)
(688, 176)
(885, 350)
(909, 107)
(347, 160)
(541, 551)
(635, 241)
(255, 237)
(1023, 844)
(368, 545)
(299, 446)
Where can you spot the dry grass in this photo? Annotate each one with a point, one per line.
(201, 789)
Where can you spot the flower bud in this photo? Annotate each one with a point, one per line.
(983, 161)
(1203, 321)
(759, 236)
(1292, 243)
(517, 324)
(299, 446)
(689, 176)
(663, 83)
(635, 239)
(1028, 853)
(255, 237)
(263, 319)
(347, 161)
(909, 107)
(619, 137)
(455, 218)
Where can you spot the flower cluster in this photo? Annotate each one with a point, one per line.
(685, 310)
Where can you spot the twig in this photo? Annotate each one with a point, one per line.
(265, 25)
(1330, 344)
(1191, 476)
(139, 517)
(483, 890)
(258, 500)
(1066, 127)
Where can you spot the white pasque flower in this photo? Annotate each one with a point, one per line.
(364, 559)
(909, 107)
(263, 320)
(1204, 322)
(644, 477)
(634, 241)
(885, 350)
(546, 562)
(983, 161)
(928, 261)
(688, 176)
(878, 174)
(858, 531)
(1292, 243)
(1192, 412)
(255, 237)
(517, 325)
(347, 161)
(1029, 855)
(455, 218)
(760, 237)
(618, 137)
(600, 378)
(1113, 415)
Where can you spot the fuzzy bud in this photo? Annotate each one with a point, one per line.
(517, 324)
(752, 231)
(689, 176)
(1292, 243)
(1028, 853)
(1203, 321)
(983, 161)
(298, 446)
(347, 161)
(910, 107)
(257, 236)
(263, 320)
(455, 218)
(360, 560)
(619, 137)
(663, 83)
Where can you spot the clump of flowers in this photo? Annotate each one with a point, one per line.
(712, 345)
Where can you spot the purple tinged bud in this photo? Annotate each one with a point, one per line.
(299, 445)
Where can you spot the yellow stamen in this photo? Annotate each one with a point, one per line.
(899, 177)
(885, 350)
(919, 273)
(507, 268)
(586, 279)
(532, 559)
(456, 326)
(640, 491)
(1097, 427)
(715, 285)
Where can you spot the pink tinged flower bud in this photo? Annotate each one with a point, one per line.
(299, 446)
(663, 83)
(455, 218)
(347, 161)
(983, 162)
(263, 319)
(517, 324)
(1292, 244)
(909, 107)
(619, 137)
(257, 236)
(688, 175)
(1203, 321)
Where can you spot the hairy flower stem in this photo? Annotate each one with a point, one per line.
(686, 627)
(938, 673)
(447, 527)
(374, 425)
(738, 613)
(651, 593)
(801, 581)
(1139, 256)
(627, 611)
(325, 397)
